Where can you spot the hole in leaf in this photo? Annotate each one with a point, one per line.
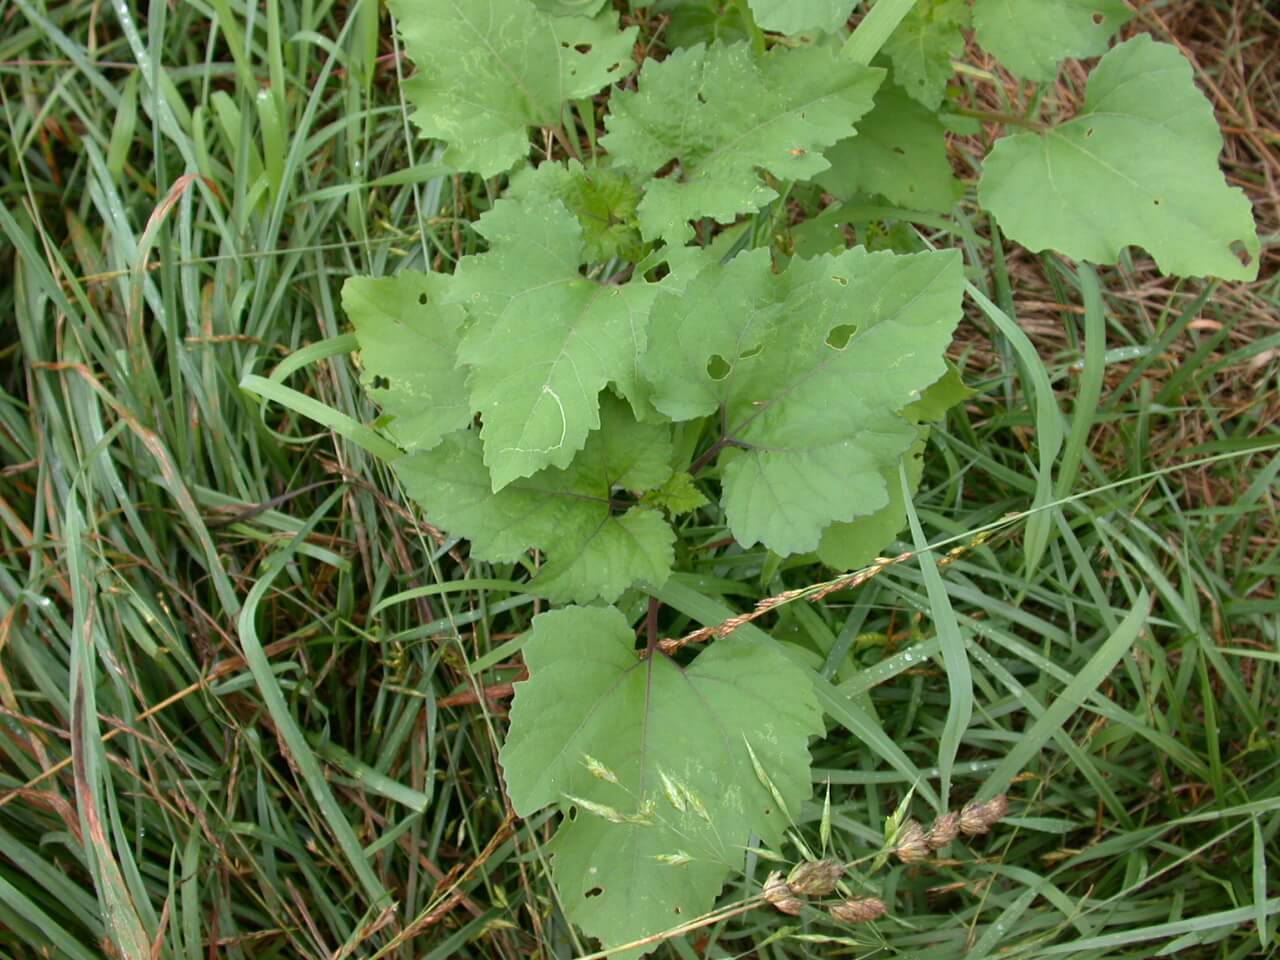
(768, 810)
(843, 281)
(582, 47)
(422, 299)
(1088, 133)
(572, 813)
(718, 367)
(750, 352)
(899, 151)
(1241, 253)
(1098, 18)
(839, 336)
(678, 910)
(1157, 201)
(594, 892)
(380, 382)
(701, 98)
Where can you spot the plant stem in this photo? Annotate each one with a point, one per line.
(873, 30)
(651, 627)
(1008, 119)
(757, 35)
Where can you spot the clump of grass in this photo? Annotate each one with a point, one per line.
(251, 703)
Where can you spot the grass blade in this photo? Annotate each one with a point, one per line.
(302, 755)
(954, 656)
(1048, 419)
(1072, 697)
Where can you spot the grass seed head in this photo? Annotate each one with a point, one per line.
(780, 894)
(860, 910)
(944, 830)
(977, 818)
(911, 845)
(815, 879)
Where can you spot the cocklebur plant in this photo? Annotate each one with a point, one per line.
(653, 336)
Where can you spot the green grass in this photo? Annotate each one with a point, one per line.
(231, 652)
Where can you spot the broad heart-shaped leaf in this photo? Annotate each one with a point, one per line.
(900, 152)
(1139, 165)
(1031, 37)
(657, 761)
(544, 340)
(721, 113)
(802, 16)
(810, 368)
(490, 69)
(593, 550)
(924, 44)
(409, 353)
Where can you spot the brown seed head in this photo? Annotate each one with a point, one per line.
(943, 831)
(911, 846)
(778, 893)
(815, 879)
(976, 818)
(859, 911)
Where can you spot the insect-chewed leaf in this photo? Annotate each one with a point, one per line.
(1031, 37)
(592, 551)
(721, 113)
(1139, 165)
(409, 352)
(544, 340)
(811, 367)
(666, 732)
(490, 69)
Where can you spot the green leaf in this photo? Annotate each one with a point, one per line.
(594, 550)
(924, 44)
(900, 152)
(571, 8)
(802, 16)
(604, 201)
(692, 22)
(1138, 166)
(943, 394)
(490, 69)
(679, 495)
(849, 546)
(409, 354)
(657, 761)
(809, 369)
(545, 340)
(722, 114)
(853, 545)
(1031, 37)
